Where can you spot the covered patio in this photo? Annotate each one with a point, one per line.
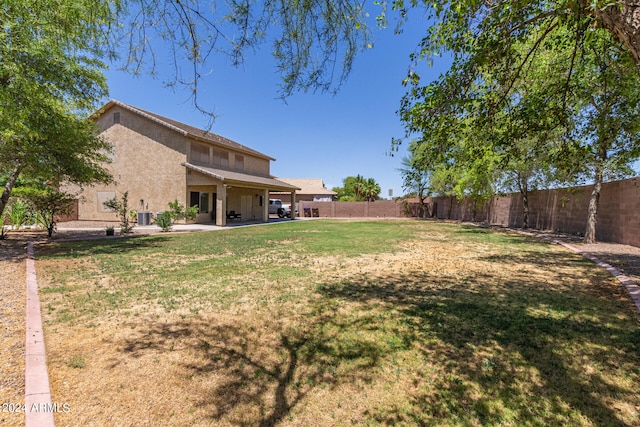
(229, 196)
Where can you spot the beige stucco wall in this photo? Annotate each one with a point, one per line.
(250, 164)
(254, 165)
(146, 162)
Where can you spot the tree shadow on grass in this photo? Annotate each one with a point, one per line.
(261, 374)
(570, 262)
(499, 347)
(509, 353)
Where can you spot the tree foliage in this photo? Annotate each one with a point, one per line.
(50, 78)
(357, 189)
(46, 204)
(314, 43)
(533, 95)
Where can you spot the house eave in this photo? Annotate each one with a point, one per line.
(231, 178)
(114, 102)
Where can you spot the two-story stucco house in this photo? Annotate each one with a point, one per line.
(158, 160)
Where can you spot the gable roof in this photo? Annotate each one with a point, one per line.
(183, 129)
(313, 186)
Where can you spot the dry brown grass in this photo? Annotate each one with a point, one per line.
(445, 327)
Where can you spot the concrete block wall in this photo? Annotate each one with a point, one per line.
(563, 210)
(377, 209)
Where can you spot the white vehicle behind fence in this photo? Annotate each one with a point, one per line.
(274, 205)
(285, 211)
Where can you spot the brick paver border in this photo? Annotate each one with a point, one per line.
(37, 399)
(632, 287)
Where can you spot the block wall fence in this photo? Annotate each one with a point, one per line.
(377, 209)
(562, 210)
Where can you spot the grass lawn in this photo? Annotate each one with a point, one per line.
(337, 323)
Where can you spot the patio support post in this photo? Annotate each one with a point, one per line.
(265, 205)
(293, 205)
(221, 205)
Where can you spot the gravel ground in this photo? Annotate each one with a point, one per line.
(623, 257)
(12, 295)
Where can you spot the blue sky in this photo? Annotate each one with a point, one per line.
(311, 135)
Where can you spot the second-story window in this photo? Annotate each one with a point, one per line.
(220, 158)
(239, 162)
(199, 153)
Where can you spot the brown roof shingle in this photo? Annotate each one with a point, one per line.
(186, 130)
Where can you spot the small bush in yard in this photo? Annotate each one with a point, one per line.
(121, 208)
(178, 211)
(164, 221)
(175, 213)
(17, 212)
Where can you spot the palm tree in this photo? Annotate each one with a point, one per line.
(370, 190)
(359, 184)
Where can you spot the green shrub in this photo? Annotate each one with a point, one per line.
(17, 212)
(122, 211)
(178, 211)
(175, 213)
(164, 221)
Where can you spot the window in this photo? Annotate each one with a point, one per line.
(116, 118)
(201, 200)
(104, 196)
(199, 153)
(220, 158)
(194, 200)
(239, 162)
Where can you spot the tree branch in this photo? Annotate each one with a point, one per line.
(532, 20)
(4, 199)
(552, 26)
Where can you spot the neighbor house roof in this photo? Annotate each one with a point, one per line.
(184, 129)
(231, 177)
(313, 186)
